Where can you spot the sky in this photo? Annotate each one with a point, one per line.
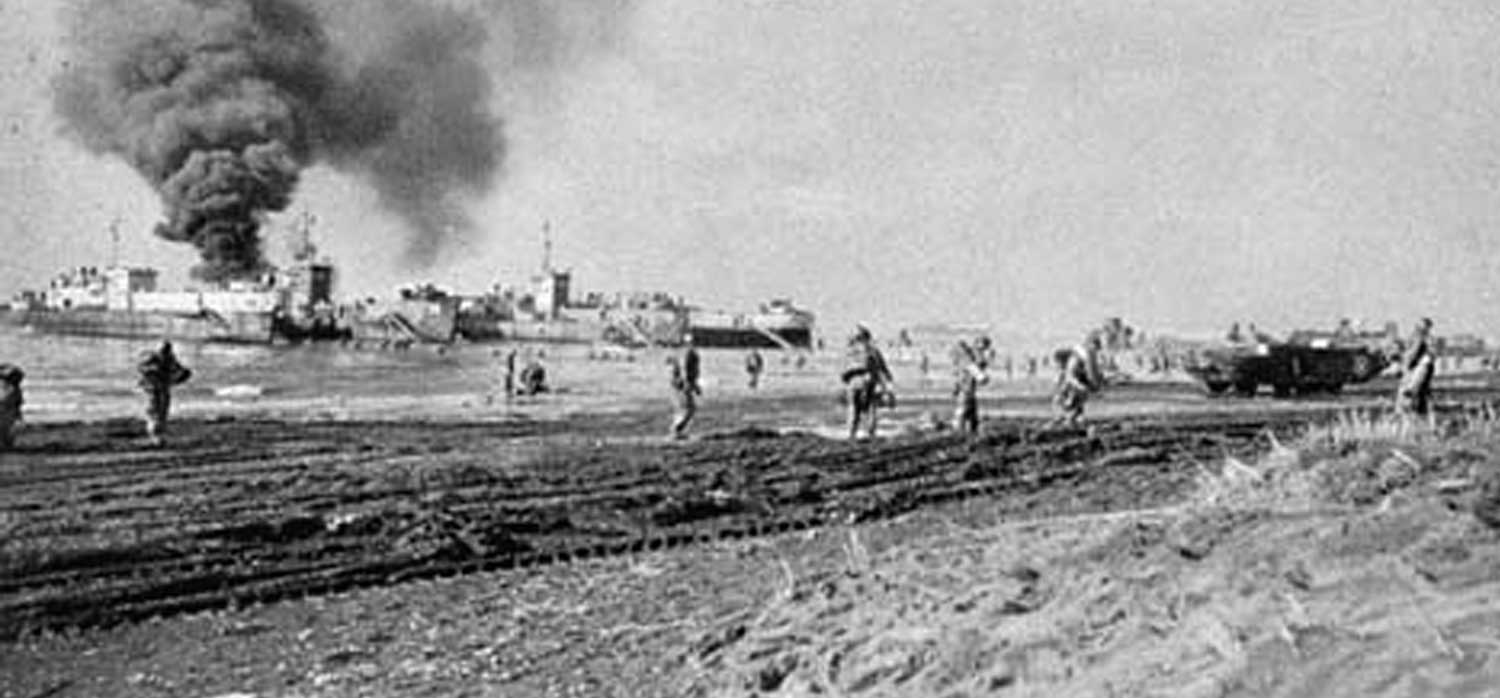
(1029, 165)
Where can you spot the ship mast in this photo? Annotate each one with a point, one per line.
(546, 247)
(306, 250)
(114, 242)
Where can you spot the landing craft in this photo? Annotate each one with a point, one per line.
(548, 312)
(777, 325)
(124, 302)
(418, 314)
(290, 304)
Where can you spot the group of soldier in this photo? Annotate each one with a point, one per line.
(869, 385)
(866, 377)
(868, 381)
(157, 373)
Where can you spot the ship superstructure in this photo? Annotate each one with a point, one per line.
(547, 312)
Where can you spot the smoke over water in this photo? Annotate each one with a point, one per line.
(220, 105)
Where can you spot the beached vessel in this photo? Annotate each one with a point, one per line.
(547, 312)
(124, 302)
(777, 324)
(417, 314)
(290, 304)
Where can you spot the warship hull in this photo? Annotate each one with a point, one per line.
(231, 328)
(532, 331)
(778, 325)
(711, 337)
(407, 321)
(590, 326)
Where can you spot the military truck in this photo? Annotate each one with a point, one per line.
(1289, 369)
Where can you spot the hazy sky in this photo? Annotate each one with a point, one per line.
(1036, 164)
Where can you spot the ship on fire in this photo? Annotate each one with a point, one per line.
(125, 302)
(291, 304)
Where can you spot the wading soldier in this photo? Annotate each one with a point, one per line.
(755, 364)
(10, 404)
(508, 377)
(866, 376)
(685, 392)
(159, 372)
(1418, 363)
(970, 363)
(1078, 378)
(690, 362)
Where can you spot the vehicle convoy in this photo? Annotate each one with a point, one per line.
(1288, 368)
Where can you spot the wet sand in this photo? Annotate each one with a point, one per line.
(258, 513)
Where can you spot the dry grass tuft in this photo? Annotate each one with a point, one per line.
(1355, 429)
(1277, 561)
(1359, 458)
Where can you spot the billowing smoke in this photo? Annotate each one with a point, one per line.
(220, 105)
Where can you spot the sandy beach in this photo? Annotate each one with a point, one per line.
(545, 548)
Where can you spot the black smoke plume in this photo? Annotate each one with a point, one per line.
(220, 105)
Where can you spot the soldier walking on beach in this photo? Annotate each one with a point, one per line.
(1418, 363)
(866, 377)
(160, 371)
(1079, 377)
(690, 361)
(970, 365)
(755, 364)
(685, 390)
(10, 404)
(509, 376)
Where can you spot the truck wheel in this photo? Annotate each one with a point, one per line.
(1245, 389)
(1216, 388)
(1282, 390)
